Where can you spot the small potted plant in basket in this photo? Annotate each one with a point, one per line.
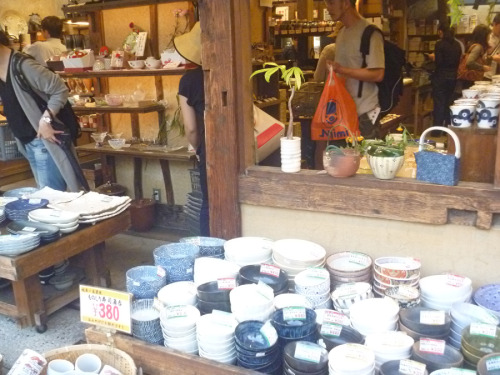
(343, 161)
(290, 145)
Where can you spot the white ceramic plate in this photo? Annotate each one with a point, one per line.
(52, 216)
(69, 230)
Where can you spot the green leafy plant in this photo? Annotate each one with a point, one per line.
(456, 11)
(293, 78)
(389, 147)
(175, 124)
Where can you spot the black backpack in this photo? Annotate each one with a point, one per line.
(391, 87)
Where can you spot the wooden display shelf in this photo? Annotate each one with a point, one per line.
(103, 5)
(138, 151)
(268, 103)
(145, 108)
(126, 73)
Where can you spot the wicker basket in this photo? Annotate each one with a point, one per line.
(108, 355)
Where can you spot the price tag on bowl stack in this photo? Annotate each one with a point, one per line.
(432, 346)
(335, 317)
(227, 283)
(455, 280)
(294, 313)
(481, 329)
(410, 367)
(269, 269)
(105, 307)
(493, 363)
(432, 317)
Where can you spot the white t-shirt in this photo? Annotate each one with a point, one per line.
(43, 51)
(347, 54)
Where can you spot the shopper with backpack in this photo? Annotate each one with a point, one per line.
(349, 63)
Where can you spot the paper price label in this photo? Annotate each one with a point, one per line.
(317, 273)
(347, 290)
(359, 258)
(410, 367)
(482, 329)
(407, 291)
(176, 311)
(294, 313)
(493, 363)
(28, 229)
(432, 346)
(330, 329)
(355, 351)
(332, 316)
(34, 201)
(265, 290)
(105, 307)
(157, 304)
(455, 280)
(269, 333)
(432, 317)
(226, 283)
(307, 351)
(269, 269)
(160, 271)
(222, 317)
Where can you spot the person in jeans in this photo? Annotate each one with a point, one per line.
(52, 28)
(348, 61)
(32, 127)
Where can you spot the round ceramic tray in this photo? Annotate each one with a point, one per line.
(52, 216)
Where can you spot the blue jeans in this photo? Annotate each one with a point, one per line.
(43, 167)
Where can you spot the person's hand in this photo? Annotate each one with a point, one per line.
(336, 67)
(47, 132)
(486, 68)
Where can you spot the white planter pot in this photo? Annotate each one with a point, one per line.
(290, 155)
(385, 167)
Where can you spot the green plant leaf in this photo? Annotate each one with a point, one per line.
(298, 78)
(270, 72)
(258, 72)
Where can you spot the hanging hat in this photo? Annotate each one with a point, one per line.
(189, 45)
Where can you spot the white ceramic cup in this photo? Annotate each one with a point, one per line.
(470, 94)
(88, 363)
(462, 116)
(59, 366)
(487, 118)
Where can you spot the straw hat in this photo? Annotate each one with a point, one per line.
(189, 45)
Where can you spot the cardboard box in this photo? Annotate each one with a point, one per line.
(268, 132)
(79, 64)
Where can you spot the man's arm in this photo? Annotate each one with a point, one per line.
(360, 74)
(190, 125)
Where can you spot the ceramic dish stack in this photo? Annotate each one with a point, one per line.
(268, 274)
(349, 267)
(257, 346)
(295, 256)
(478, 340)
(144, 282)
(462, 315)
(212, 269)
(215, 334)
(177, 259)
(406, 296)
(66, 221)
(374, 315)
(347, 294)
(178, 324)
(418, 322)
(450, 357)
(146, 322)
(351, 359)
(20, 208)
(248, 250)
(295, 324)
(394, 368)
(2, 215)
(178, 293)
(332, 335)
(302, 357)
(252, 302)
(21, 193)
(213, 296)
(489, 364)
(208, 246)
(394, 271)
(289, 300)
(388, 346)
(314, 284)
(488, 297)
(440, 292)
(13, 245)
(48, 232)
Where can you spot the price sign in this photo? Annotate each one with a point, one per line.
(358, 258)
(455, 280)
(330, 329)
(432, 346)
(317, 273)
(178, 311)
(432, 317)
(308, 351)
(345, 290)
(160, 271)
(493, 363)
(269, 333)
(268, 269)
(482, 329)
(408, 291)
(409, 367)
(294, 313)
(140, 43)
(332, 316)
(105, 307)
(34, 201)
(226, 283)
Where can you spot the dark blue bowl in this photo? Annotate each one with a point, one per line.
(247, 336)
(251, 274)
(268, 368)
(268, 357)
(294, 329)
(210, 292)
(304, 365)
(347, 335)
(144, 282)
(283, 341)
(208, 246)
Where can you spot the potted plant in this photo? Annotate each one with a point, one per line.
(290, 145)
(343, 161)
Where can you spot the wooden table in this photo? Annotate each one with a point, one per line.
(86, 245)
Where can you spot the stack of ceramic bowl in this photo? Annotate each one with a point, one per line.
(436, 361)
(440, 292)
(178, 293)
(420, 322)
(48, 232)
(489, 364)
(22, 192)
(215, 334)
(248, 250)
(294, 256)
(257, 346)
(177, 259)
(349, 267)
(488, 297)
(146, 321)
(66, 221)
(295, 324)
(314, 284)
(252, 302)
(351, 359)
(291, 299)
(271, 275)
(2, 215)
(302, 357)
(213, 296)
(144, 282)
(20, 208)
(208, 246)
(12, 245)
(374, 315)
(178, 325)
(388, 346)
(479, 340)
(393, 271)
(393, 367)
(406, 296)
(334, 335)
(347, 294)
(211, 269)
(462, 315)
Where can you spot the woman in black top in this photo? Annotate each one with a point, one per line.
(444, 78)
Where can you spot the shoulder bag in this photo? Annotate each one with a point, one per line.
(466, 74)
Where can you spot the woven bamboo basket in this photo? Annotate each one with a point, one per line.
(109, 356)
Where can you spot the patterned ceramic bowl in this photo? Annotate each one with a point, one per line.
(144, 282)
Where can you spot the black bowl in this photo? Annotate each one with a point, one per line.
(209, 306)
(411, 318)
(251, 274)
(210, 292)
(289, 356)
(287, 370)
(347, 335)
(392, 368)
(450, 358)
(294, 328)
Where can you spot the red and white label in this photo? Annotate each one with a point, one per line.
(432, 317)
(332, 316)
(269, 269)
(455, 280)
(226, 283)
(432, 346)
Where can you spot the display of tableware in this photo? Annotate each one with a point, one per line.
(405, 295)
(296, 358)
(48, 233)
(117, 143)
(488, 297)
(23, 192)
(136, 64)
(392, 367)
(146, 321)
(425, 321)
(215, 334)
(152, 63)
(347, 294)
(20, 209)
(256, 345)
(63, 281)
(351, 359)
(99, 138)
(349, 266)
(489, 364)
(332, 335)
(478, 340)
(12, 245)
(177, 259)
(450, 357)
(462, 115)
(271, 275)
(440, 292)
(212, 269)
(114, 100)
(298, 253)
(144, 282)
(178, 325)
(252, 302)
(374, 315)
(487, 118)
(178, 293)
(389, 346)
(208, 246)
(291, 299)
(294, 324)
(54, 216)
(248, 250)
(394, 271)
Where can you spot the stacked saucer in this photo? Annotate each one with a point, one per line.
(215, 333)
(389, 346)
(178, 324)
(347, 294)
(12, 245)
(349, 267)
(434, 360)
(66, 221)
(393, 271)
(374, 315)
(302, 357)
(48, 233)
(248, 250)
(213, 296)
(479, 340)
(19, 209)
(440, 292)
(420, 322)
(314, 284)
(178, 293)
(252, 302)
(146, 321)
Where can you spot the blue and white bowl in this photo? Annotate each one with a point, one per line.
(146, 321)
(208, 246)
(177, 259)
(144, 282)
